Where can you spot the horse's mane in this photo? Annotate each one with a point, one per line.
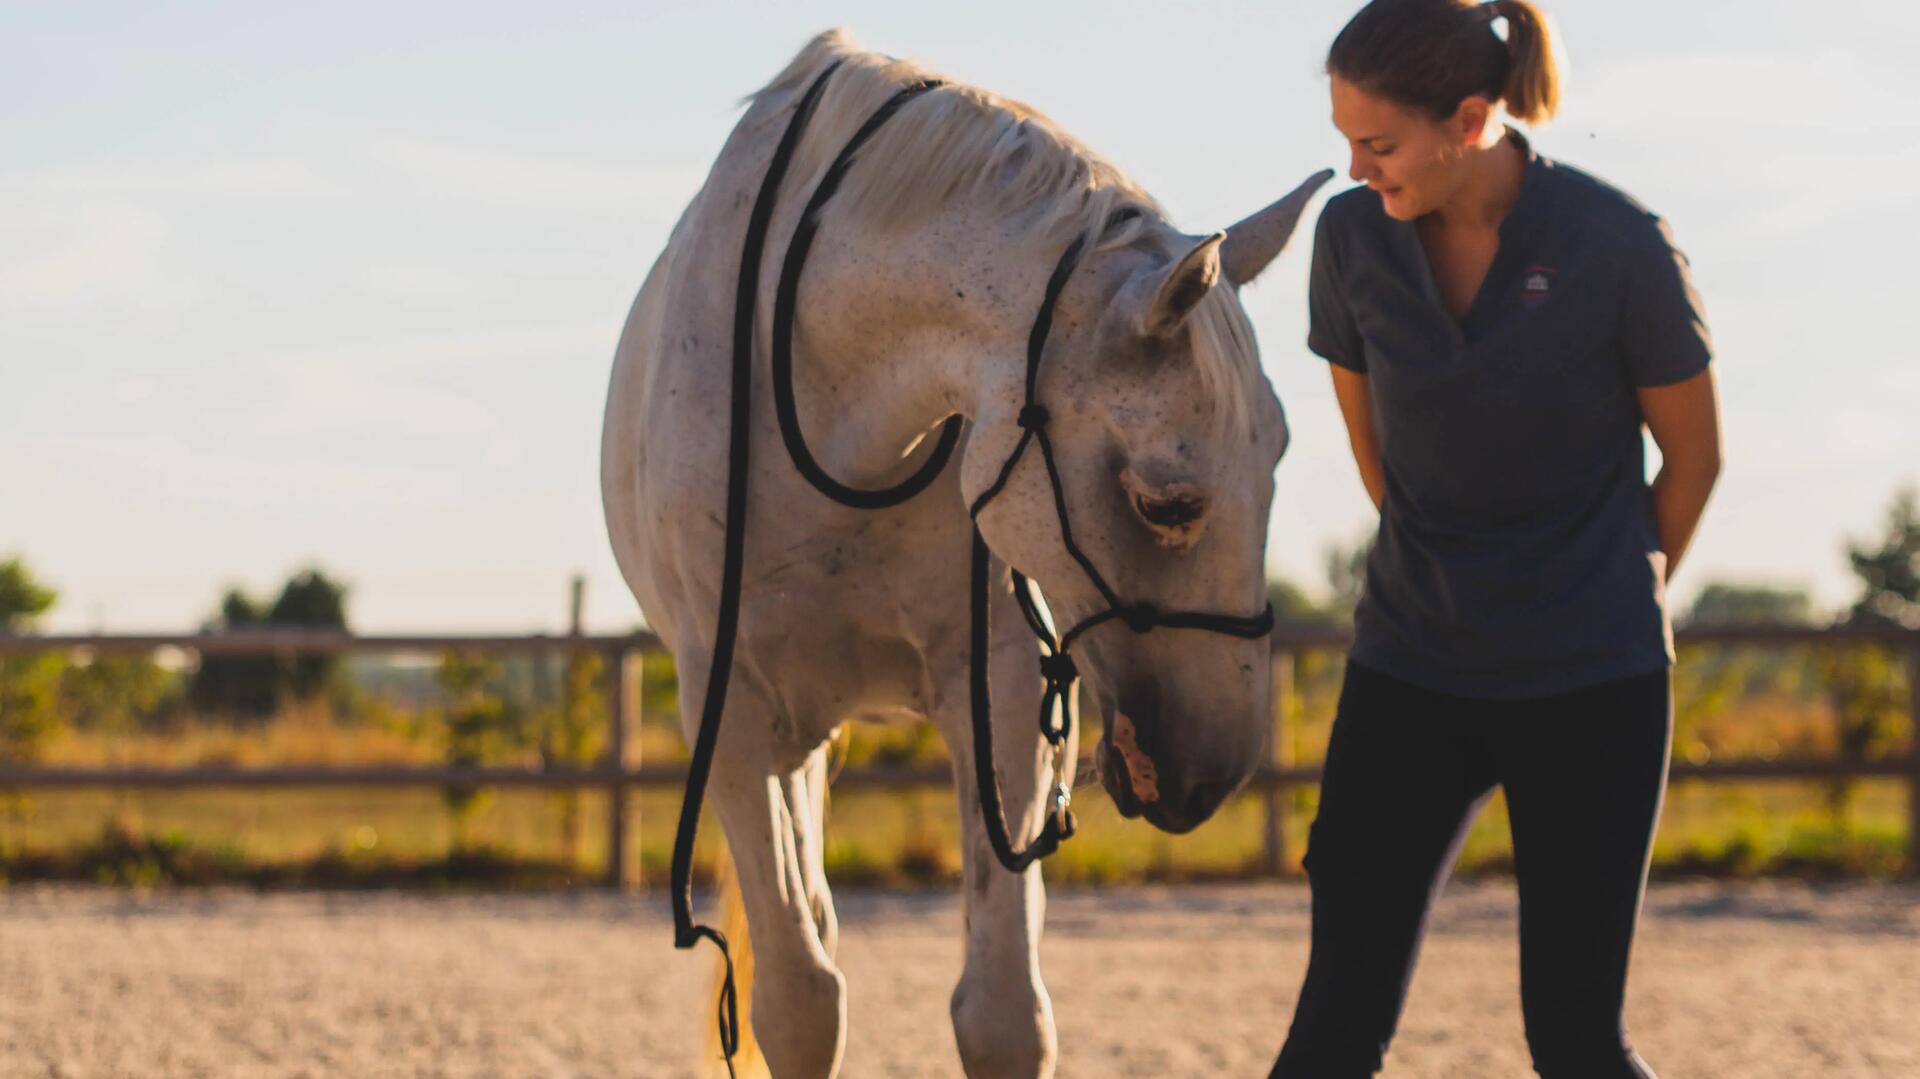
(958, 141)
(961, 141)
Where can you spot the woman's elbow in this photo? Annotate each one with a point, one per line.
(1701, 465)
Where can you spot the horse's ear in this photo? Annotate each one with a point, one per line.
(1165, 296)
(1254, 242)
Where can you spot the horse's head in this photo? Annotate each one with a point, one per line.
(1166, 434)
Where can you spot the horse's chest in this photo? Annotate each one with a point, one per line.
(889, 572)
(845, 623)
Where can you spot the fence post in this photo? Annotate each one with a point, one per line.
(1274, 843)
(623, 753)
(1913, 758)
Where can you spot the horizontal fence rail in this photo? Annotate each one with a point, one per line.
(266, 641)
(621, 773)
(282, 641)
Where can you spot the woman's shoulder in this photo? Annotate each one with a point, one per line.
(1574, 194)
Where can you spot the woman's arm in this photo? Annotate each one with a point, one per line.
(1684, 419)
(1356, 405)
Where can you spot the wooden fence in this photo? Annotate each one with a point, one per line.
(621, 772)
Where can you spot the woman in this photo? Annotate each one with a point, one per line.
(1500, 326)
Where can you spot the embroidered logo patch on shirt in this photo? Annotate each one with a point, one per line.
(1536, 286)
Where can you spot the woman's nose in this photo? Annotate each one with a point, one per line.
(1358, 168)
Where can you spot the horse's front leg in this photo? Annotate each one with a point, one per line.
(799, 1007)
(1002, 1017)
(806, 791)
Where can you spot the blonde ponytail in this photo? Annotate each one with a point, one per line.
(1532, 91)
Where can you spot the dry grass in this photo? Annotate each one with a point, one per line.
(1719, 829)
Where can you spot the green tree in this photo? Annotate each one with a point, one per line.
(255, 687)
(22, 599)
(1711, 675)
(479, 724)
(310, 600)
(1868, 686)
(241, 686)
(28, 683)
(116, 693)
(572, 733)
(1889, 568)
(1734, 603)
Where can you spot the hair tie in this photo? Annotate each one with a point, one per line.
(1494, 11)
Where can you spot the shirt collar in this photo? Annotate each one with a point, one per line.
(1526, 202)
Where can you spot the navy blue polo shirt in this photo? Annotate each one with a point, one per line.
(1517, 554)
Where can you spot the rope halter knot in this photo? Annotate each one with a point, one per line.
(1059, 672)
(1032, 417)
(1059, 669)
(1140, 618)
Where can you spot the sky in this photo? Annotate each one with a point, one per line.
(340, 284)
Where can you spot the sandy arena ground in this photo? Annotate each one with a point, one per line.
(1737, 981)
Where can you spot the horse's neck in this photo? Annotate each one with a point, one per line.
(895, 331)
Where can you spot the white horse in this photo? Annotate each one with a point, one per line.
(918, 298)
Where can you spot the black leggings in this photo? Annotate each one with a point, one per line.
(1407, 769)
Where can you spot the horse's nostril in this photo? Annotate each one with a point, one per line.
(1169, 512)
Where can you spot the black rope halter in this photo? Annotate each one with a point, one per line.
(1057, 668)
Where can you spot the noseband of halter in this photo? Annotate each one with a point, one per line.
(1057, 668)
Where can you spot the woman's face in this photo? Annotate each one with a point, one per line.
(1415, 163)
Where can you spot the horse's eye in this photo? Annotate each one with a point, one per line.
(1174, 511)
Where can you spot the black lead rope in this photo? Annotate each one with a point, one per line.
(1057, 668)
(686, 931)
(784, 299)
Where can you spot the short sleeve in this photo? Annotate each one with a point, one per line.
(1331, 330)
(1663, 327)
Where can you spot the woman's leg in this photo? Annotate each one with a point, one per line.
(1584, 773)
(1405, 771)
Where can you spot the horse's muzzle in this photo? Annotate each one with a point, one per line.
(1130, 775)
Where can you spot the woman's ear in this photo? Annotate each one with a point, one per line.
(1470, 120)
